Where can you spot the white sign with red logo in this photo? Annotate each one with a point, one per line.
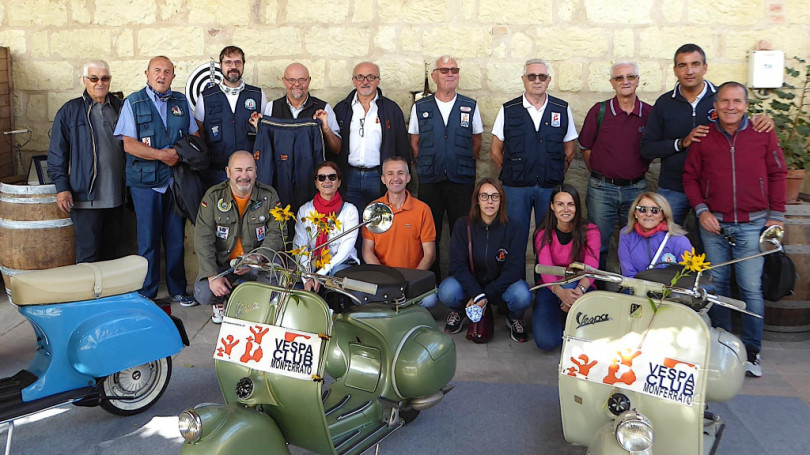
(269, 348)
(632, 369)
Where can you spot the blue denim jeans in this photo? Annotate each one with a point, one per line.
(748, 273)
(517, 297)
(520, 201)
(607, 204)
(157, 224)
(548, 320)
(679, 203)
(362, 187)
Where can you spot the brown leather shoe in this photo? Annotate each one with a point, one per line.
(481, 331)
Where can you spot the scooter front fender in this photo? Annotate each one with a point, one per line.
(236, 430)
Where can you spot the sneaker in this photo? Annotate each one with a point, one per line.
(518, 332)
(753, 367)
(454, 321)
(184, 300)
(217, 313)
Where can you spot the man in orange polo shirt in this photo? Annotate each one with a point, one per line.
(411, 241)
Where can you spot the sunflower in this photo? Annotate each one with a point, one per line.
(280, 214)
(694, 262)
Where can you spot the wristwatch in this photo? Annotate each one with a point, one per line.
(583, 289)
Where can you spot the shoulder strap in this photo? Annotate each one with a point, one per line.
(600, 116)
(658, 253)
(469, 246)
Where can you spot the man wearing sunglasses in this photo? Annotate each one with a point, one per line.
(298, 103)
(735, 180)
(86, 163)
(611, 146)
(223, 112)
(533, 144)
(373, 128)
(445, 133)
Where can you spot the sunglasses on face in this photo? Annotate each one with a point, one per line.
(95, 79)
(323, 177)
(532, 77)
(643, 209)
(447, 70)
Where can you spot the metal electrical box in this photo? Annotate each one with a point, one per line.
(766, 69)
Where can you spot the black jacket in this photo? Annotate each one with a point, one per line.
(189, 188)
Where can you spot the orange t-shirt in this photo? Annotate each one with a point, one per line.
(242, 204)
(401, 246)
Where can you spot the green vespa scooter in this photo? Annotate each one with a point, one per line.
(333, 379)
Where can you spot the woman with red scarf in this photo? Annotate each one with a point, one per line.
(329, 207)
(651, 238)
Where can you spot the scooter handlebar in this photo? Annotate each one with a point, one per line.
(359, 286)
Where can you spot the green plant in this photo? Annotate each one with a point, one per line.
(791, 114)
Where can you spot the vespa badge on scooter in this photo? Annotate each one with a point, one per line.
(637, 369)
(99, 343)
(331, 380)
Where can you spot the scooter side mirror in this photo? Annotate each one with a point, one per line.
(771, 239)
(379, 217)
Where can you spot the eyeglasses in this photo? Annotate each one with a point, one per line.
(729, 238)
(370, 77)
(362, 131)
(653, 209)
(447, 70)
(630, 78)
(300, 80)
(541, 76)
(323, 177)
(232, 62)
(94, 79)
(484, 196)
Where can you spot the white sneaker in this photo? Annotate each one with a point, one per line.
(217, 313)
(753, 367)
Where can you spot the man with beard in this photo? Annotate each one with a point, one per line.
(411, 240)
(152, 120)
(233, 219)
(297, 103)
(223, 112)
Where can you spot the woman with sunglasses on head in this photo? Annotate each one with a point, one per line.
(486, 266)
(562, 238)
(327, 202)
(651, 238)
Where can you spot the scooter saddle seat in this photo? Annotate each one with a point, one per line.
(393, 283)
(78, 282)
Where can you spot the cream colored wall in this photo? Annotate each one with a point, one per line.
(491, 38)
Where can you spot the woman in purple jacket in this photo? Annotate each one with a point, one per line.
(562, 238)
(650, 224)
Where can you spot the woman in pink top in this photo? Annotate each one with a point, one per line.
(562, 238)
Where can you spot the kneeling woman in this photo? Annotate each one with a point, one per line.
(329, 203)
(562, 238)
(651, 238)
(486, 266)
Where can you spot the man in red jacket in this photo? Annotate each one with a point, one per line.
(734, 178)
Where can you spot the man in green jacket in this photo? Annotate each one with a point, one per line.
(234, 218)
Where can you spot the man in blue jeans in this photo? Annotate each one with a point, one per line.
(152, 120)
(735, 180)
(611, 146)
(533, 144)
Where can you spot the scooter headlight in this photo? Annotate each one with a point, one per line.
(190, 425)
(634, 432)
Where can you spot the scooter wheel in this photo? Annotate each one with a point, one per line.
(136, 389)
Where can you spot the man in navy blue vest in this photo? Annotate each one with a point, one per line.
(445, 133)
(298, 103)
(533, 143)
(152, 120)
(223, 112)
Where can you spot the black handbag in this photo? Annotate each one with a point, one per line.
(778, 276)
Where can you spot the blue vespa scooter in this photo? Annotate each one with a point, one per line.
(99, 343)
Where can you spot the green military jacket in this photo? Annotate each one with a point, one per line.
(219, 226)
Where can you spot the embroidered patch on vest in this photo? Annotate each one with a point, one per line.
(223, 206)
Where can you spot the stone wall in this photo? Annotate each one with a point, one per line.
(491, 38)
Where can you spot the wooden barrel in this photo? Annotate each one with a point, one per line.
(34, 233)
(791, 315)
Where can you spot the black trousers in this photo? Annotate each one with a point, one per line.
(98, 233)
(445, 197)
